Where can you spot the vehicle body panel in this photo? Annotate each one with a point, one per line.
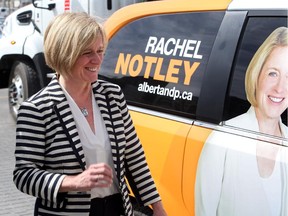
(173, 135)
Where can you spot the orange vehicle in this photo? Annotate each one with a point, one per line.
(22, 65)
(181, 65)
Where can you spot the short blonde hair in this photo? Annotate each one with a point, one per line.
(67, 36)
(279, 37)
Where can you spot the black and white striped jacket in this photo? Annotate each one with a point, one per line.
(48, 147)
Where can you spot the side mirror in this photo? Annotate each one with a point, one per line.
(50, 6)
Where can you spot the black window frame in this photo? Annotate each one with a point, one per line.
(243, 106)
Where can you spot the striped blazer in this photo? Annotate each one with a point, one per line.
(48, 148)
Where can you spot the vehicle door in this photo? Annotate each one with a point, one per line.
(159, 62)
(230, 149)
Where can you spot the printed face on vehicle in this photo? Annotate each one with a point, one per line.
(183, 76)
(272, 91)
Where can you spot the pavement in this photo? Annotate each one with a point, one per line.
(12, 201)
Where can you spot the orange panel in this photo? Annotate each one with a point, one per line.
(196, 139)
(163, 141)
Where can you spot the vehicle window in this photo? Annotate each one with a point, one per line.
(159, 61)
(256, 32)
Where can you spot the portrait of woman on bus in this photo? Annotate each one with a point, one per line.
(241, 176)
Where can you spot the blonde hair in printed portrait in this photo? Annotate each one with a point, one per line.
(278, 38)
(237, 174)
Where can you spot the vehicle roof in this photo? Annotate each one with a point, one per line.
(135, 11)
(258, 5)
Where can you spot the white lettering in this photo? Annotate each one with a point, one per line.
(180, 47)
(151, 44)
(176, 47)
(166, 51)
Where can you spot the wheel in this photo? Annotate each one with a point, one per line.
(23, 82)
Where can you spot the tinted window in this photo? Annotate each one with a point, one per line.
(256, 31)
(159, 61)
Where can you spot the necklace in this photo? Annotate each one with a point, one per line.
(84, 111)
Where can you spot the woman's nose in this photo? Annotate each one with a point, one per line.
(282, 84)
(96, 57)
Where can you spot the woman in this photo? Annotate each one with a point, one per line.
(244, 176)
(75, 139)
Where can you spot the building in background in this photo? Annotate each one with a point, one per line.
(11, 5)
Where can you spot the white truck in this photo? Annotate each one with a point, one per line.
(22, 65)
(4, 11)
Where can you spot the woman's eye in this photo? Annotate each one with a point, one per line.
(273, 74)
(100, 51)
(86, 53)
(90, 53)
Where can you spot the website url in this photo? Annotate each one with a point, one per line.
(163, 91)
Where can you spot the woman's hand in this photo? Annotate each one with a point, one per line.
(97, 175)
(158, 209)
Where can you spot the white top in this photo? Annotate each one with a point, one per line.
(228, 180)
(96, 146)
(273, 189)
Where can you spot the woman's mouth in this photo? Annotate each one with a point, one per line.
(92, 69)
(276, 99)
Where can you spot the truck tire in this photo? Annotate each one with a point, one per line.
(23, 82)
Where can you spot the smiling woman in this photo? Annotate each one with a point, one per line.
(259, 174)
(266, 82)
(75, 138)
(272, 91)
